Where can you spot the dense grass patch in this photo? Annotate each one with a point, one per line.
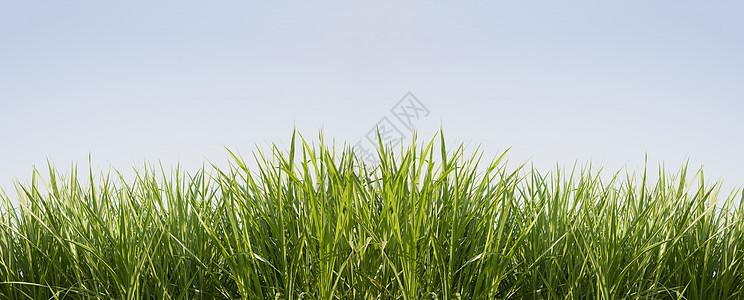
(427, 223)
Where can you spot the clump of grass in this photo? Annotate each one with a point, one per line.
(427, 223)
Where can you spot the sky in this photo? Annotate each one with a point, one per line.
(178, 82)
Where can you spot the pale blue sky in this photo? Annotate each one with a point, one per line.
(558, 82)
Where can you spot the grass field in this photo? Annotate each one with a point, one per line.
(429, 222)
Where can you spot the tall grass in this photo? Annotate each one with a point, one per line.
(427, 223)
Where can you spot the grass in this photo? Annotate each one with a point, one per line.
(427, 223)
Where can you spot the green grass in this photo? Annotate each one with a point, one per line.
(427, 223)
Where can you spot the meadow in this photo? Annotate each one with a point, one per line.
(315, 222)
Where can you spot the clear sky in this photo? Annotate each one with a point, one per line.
(559, 82)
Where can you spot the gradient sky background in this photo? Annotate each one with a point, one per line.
(177, 81)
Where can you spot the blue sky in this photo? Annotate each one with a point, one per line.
(178, 81)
